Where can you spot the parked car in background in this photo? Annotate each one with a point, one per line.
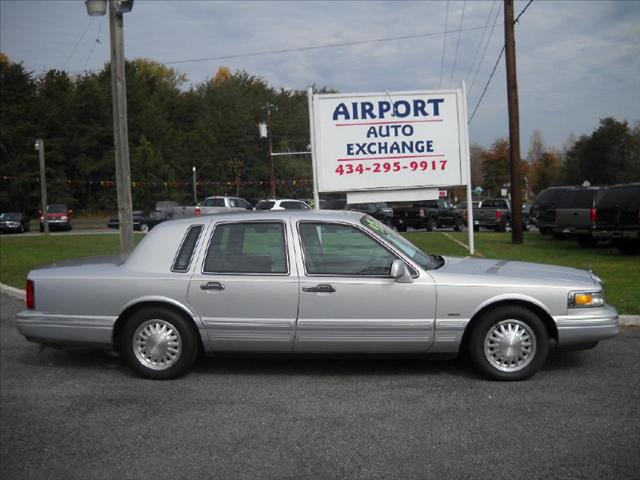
(461, 208)
(282, 204)
(618, 217)
(543, 210)
(14, 222)
(333, 204)
(313, 282)
(142, 221)
(576, 215)
(58, 217)
(378, 210)
(211, 205)
(428, 214)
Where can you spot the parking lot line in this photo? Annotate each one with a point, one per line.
(462, 244)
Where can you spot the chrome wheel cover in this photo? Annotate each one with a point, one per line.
(157, 344)
(510, 345)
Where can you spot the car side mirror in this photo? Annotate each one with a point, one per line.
(400, 272)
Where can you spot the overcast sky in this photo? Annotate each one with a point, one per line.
(577, 61)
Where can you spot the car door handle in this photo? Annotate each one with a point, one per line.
(212, 286)
(322, 288)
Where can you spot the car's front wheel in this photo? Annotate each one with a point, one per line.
(159, 343)
(508, 343)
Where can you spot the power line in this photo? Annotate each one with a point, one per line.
(316, 47)
(96, 42)
(486, 46)
(84, 32)
(495, 66)
(444, 43)
(455, 56)
(484, 30)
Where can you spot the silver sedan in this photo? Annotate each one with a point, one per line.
(312, 282)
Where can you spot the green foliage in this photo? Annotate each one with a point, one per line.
(495, 162)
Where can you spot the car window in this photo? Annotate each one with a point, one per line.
(551, 195)
(214, 202)
(242, 203)
(265, 205)
(185, 253)
(247, 247)
(57, 209)
(577, 199)
(233, 202)
(336, 249)
(626, 196)
(293, 205)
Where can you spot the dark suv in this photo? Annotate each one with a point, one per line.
(428, 214)
(543, 210)
(618, 217)
(576, 215)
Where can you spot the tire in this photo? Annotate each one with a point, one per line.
(587, 241)
(628, 247)
(175, 359)
(506, 227)
(457, 225)
(144, 228)
(432, 224)
(514, 325)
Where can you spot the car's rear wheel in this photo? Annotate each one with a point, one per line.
(457, 224)
(144, 228)
(159, 343)
(508, 343)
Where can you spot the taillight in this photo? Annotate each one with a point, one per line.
(197, 211)
(31, 301)
(594, 215)
(498, 214)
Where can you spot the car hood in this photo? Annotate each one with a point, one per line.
(481, 271)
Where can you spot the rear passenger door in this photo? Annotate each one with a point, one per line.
(246, 287)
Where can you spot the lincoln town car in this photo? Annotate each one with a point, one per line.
(310, 282)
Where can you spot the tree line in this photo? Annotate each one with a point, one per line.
(214, 127)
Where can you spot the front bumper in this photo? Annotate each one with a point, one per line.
(583, 326)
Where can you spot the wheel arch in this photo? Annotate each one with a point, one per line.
(524, 302)
(157, 302)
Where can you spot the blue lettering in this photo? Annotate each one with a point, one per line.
(372, 132)
(418, 108)
(354, 105)
(383, 107)
(406, 108)
(436, 105)
(367, 110)
(429, 145)
(395, 148)
(341, 109)
(407, 130)
(349, 148)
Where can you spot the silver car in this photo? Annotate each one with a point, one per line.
(310, 281)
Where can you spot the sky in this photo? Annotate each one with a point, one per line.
(577, 61)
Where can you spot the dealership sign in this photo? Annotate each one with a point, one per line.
(391, 141)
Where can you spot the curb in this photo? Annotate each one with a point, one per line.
(625, 320)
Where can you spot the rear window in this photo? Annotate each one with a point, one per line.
(265, 205)
(214, 202)
(551, 195)
(626, 196)
(577, 199)
(57, 209)
(185, 253)
(294, 205)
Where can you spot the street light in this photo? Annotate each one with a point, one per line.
(119, 99)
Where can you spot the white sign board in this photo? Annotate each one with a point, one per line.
(400, 140)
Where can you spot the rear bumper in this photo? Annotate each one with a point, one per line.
(617, 234)
(587, 326)
(65, 329)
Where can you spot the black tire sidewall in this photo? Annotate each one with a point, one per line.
(487, 321)
(190, 344)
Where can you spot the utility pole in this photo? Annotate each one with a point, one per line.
(195, 191)
(43, 185)
(268, 107)
(514, 123)
(120, 131)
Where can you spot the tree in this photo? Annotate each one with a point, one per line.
(536, 147)
(546, 171)
(495, 162)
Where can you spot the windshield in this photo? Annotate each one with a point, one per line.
(265, 205)
(11, 216)
(426, 261)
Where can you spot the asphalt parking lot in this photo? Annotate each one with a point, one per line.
(81, 414)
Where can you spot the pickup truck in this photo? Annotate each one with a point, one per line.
(217, 204)
(494, 214)
(428, 214)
